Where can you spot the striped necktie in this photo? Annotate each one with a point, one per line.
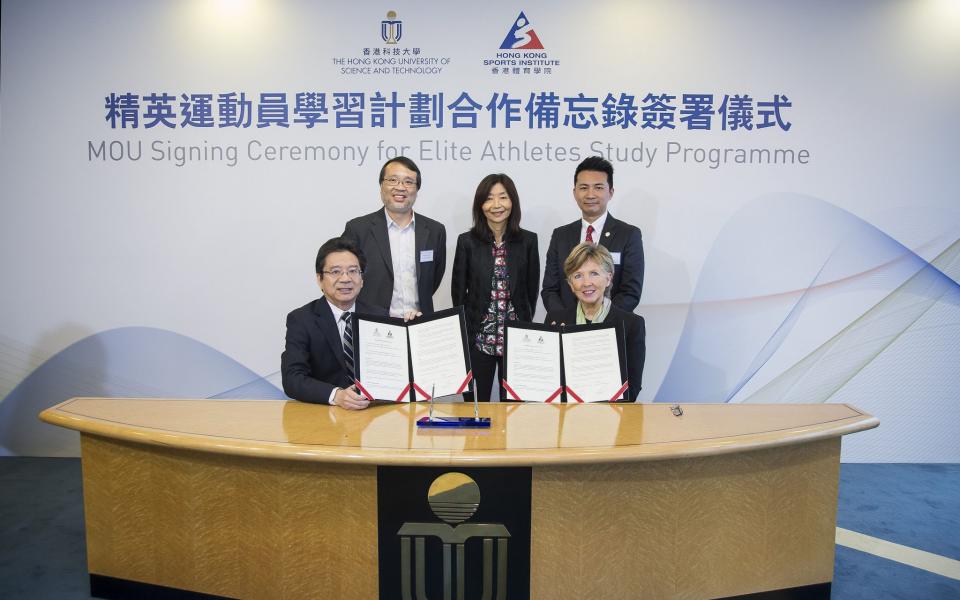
(348, 344)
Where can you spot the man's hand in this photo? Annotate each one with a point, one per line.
(349, 399)
(411, 315)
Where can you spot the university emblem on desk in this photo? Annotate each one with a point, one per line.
(391, 28)
(454, 498)
(521, 36)
(460, 552)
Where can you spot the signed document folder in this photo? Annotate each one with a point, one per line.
(403, 362)
(582, 363)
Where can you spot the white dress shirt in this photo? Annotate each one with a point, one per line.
(403, 252)
(338, 314)
(597, 228)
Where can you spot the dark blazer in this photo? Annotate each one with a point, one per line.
(312, 363)
(616, 236)
(370, 233)
(633, 344)
(473, 270)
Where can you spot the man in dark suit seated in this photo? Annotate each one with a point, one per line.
(317, 364)
(593, 189)
(407, 252)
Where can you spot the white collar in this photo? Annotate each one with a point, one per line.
(597, 225)
(337, 311)
(393, 224)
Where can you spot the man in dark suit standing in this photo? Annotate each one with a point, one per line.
(593, 189)
(317, 364)
(406, 252)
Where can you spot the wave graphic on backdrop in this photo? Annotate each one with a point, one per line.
(123, 362)
(740, 316)
(824, 371)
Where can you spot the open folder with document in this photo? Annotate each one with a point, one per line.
(582, 363)
(400, 362)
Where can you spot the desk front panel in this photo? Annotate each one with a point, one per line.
(245, 527)
(238, 527)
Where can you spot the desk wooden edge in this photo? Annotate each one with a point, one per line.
(477, 458)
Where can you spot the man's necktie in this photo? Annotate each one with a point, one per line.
(590, 231)
(348, 344)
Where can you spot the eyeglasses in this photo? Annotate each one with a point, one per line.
(352, 272)
(395, 181)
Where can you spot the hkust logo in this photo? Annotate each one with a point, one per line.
(391, 28)
(521, 36)
(521, 52)
(390, 58)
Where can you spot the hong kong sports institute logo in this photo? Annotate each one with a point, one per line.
(521, 36)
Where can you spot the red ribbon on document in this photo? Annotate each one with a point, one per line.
(509, 390)
(362, 389)
(405, 391)
(620, 392)
(416, 387)
(574, 395)
(466, 382)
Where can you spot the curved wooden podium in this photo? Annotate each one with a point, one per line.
(271, 499)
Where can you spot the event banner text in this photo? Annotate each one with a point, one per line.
(741, 112)
(644, 154)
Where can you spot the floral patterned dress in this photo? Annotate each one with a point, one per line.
(489, 339)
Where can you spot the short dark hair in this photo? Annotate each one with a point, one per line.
(480, 228)
(403, 160)
(339, 244)
(595, 163)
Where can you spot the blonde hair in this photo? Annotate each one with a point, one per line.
(584, 252)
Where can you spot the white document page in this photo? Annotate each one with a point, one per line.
(436, 354)
(382, 361)
(533, 364)
(592, 364)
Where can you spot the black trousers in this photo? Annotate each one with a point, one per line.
(485, 368)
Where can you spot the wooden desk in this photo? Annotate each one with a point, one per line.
(269, 499)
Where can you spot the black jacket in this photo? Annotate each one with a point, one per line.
(473, 271)
(370, 233)
(618, 237)
(312, 363)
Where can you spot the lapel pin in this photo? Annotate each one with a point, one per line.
(607, 234)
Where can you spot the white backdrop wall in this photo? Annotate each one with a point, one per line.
(832, 278)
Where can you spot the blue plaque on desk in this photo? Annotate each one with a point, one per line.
(474, 422)
(455, 422)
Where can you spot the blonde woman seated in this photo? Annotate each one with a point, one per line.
(589, 272)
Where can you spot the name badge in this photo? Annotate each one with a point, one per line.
(426, 256)
(616, 257)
